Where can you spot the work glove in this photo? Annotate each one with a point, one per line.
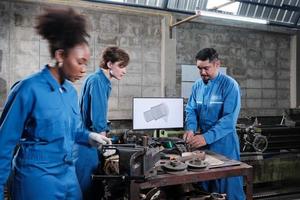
(109, 152)
(97, 140)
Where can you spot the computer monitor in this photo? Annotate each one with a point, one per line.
(157, 113)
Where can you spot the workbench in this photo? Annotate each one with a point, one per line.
(193, 177)
(228, 168)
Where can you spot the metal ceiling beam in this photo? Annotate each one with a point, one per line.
(284, 24)
(165, 4)
(295, 25)
(297, 20)
(282, 7)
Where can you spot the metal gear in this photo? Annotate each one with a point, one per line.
(196, 164)
(174, 165)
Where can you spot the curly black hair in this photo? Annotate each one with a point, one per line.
(63, 28)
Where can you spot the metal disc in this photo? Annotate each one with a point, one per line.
(196, 164)
(153, 194)
(174, 165)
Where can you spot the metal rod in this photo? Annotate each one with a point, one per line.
(119, 145)
(184, 20)
(123, 177)
(222, 5)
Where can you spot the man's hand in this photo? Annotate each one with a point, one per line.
(197, 141)
(96, 139)
(188, 135)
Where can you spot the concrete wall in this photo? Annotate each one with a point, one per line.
(22, 52)
(259, 61)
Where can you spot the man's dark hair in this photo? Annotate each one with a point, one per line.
(207, 54)
(114, 54)
(63, 28)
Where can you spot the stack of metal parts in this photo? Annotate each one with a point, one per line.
(270, 134)
(271, 144)
(130, 162)
(191, 161)
(284, 133)
(142, 157)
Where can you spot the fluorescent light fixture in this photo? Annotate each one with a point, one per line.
(231, 17)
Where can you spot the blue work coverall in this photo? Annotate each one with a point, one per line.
(93, 105)
(214, 108)
(43, 118)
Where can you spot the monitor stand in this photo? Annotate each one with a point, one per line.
(156, 133)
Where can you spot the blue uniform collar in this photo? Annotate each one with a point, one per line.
(101, 73)
(214, 79)
(53, 82)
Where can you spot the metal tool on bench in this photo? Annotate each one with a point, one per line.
(135, 162)
(130, 163)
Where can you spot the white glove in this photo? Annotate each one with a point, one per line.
(109, 152)
(96, 139)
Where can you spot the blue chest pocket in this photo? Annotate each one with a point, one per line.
(50, 130)
(50, 126)
(49, 120)
(215, 109)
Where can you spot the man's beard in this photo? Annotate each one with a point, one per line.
(205, 79)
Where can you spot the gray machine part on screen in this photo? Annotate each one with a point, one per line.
(157, 112)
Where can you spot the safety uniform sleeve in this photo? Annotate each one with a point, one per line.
(226, 124)
(12, 123)
(82, 134)
(191, 123)
(98, 105)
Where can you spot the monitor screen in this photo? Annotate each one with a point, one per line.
(157, 113)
